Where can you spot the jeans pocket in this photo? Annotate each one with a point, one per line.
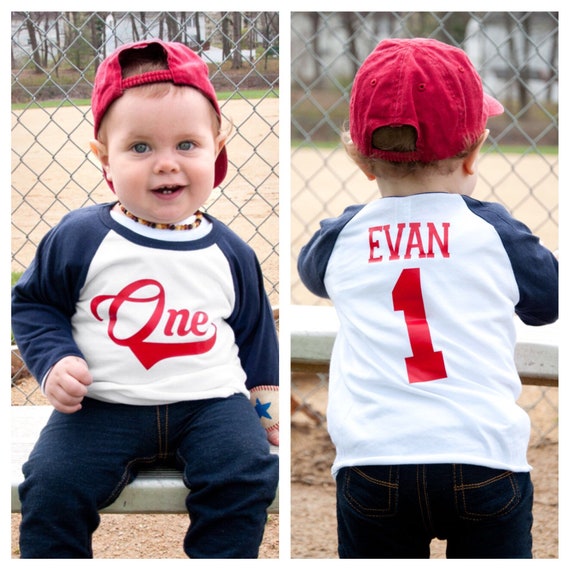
(371, 491)
(483, 493)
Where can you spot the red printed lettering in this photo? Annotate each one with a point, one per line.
(425, 364)
(150, 293)
(187, 323)
(415, 240)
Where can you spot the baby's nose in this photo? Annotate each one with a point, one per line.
(166, 162)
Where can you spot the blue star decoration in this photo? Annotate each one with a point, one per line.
(261, 409)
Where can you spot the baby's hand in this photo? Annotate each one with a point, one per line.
(66, 384)
(273, 436)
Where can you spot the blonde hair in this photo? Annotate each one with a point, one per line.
(399, 139)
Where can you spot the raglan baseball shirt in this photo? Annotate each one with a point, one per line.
(157, 321)
(426, 288)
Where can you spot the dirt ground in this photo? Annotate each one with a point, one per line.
(151, 536)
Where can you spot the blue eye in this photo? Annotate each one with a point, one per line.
(186, 145)
(140, 147)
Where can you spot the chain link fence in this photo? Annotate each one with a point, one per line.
(54, 57)
(516, 54)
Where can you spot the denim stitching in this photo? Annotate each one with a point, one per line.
(371, 512)
(423, 499)
(461, 488)
(162, 433)
(126, 478)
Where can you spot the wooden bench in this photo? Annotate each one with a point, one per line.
(157, 490)
(313, 331)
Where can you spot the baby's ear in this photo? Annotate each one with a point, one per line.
(220, 142)
(100, 151)
(470, 160)
(371, 176)
(366, 170)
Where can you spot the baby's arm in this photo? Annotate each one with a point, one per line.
(44, 299)
(66, 384)
(265, 399)
(253, 323)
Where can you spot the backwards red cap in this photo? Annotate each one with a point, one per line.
(424, 83)
(184, 68)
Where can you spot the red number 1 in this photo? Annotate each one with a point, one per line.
(425, 364)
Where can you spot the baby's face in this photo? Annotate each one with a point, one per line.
(160, 152)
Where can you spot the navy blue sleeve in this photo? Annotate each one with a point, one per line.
(43, 300)
(314, 257)
(534, 266)
(252, 318)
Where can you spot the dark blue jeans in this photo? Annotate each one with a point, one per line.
(395, 511)
(82, 461)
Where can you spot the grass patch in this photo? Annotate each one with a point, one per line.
(224, 95)
(520, 149)
(15, 277)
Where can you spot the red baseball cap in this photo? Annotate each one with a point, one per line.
(184, 68)
(427, 84)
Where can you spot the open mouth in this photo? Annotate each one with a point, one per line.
(167, 190)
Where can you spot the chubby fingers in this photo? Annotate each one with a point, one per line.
(67, 384)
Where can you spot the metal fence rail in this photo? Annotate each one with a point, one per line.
(54, 58)
(516, 54)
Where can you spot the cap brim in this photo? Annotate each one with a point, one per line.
(492, 106)
(221, 168)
